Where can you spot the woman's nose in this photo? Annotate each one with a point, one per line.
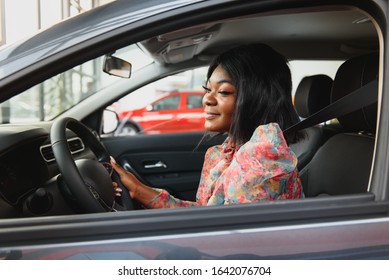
(209, 99)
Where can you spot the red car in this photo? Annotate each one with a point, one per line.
(172, 112)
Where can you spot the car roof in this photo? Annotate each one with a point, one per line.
(327, 33)
(79, 29)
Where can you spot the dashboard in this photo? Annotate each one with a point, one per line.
(28, 171)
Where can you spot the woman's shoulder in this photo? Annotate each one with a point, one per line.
(267, 144)
(270, 132)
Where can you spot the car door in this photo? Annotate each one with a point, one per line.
(167, 161)
(350, 226)
(169, 152)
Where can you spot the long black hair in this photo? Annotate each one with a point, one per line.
(263, 84)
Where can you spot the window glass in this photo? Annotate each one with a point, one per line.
(168, 103)
(54, 96)
(140, 112)
(194, 101)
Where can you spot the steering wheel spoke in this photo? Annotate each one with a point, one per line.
(88, 180)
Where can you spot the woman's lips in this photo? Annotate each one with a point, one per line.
(210, 116)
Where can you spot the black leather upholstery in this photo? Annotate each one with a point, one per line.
(342, 164)
(352, 75)
(312, 94)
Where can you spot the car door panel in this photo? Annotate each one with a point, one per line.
(167, 161)
(177, 172)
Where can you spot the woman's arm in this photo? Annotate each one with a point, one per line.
(147, 196)
(137, 190)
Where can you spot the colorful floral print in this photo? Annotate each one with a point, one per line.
(264, 168)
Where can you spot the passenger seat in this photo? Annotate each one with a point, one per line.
(312, 94)
(342, 164)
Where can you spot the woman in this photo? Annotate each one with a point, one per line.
(247, 96)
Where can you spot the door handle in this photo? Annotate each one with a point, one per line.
(158, 164)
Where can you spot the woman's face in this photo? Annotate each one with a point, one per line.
(219, 101)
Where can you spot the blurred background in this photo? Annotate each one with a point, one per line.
(20, 18)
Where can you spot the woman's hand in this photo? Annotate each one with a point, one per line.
(128, 180)
(117, 189)
(137, 190)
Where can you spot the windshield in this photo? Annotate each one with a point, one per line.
(49, 99)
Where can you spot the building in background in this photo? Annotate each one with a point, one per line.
(20, 18)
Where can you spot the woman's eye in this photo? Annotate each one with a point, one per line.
(206, 90)
(223, 92)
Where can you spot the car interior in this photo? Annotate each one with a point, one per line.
(312, 94)
(353, 146)
(335, 158)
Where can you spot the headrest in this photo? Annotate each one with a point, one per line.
(351, 75)
(312, 94)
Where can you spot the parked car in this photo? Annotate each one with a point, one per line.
(56, 197)
(171, 113)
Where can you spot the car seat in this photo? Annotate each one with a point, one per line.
(342, 164)
(312, 94)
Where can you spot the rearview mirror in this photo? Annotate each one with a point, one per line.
(117, 67)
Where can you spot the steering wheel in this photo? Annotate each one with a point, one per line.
(88, 180)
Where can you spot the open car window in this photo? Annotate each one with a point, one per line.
(176, 95)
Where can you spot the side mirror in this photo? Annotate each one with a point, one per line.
(117, 66)
(110, 121)
(149, 108)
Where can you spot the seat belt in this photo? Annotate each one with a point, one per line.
(359, 98)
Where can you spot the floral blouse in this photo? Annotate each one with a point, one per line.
(264, 168)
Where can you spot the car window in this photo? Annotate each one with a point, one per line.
(194, 101)
(54, 96)
(142, 111)
(168, 103)
(129, 108)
